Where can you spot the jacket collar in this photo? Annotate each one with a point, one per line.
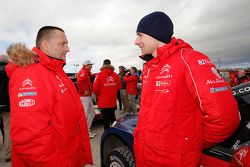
(168, 50)
(49, 62)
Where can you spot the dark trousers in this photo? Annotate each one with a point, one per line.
(1, 126)
(108, 116)
(119, 99)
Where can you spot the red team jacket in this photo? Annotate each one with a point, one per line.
(186, 105)
(48, 122)
(84, 83)
(131, 84)
(105, 87)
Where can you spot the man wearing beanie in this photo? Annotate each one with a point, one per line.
(186, 106)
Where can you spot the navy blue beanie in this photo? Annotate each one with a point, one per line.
(157, 25)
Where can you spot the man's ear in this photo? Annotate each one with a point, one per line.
(44, 46)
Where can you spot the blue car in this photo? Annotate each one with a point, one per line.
(117, 141)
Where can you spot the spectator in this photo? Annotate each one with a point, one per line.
(5, 108)
(106, 85)
(131, 80)
(85, 89)
(186, 106)
(48, 124)
(239, 78)
(123, 92)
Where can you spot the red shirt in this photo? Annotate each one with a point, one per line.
(106, 85)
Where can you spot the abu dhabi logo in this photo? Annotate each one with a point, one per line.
(165, 68)
(27, 82)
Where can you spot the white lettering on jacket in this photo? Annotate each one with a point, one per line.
(27, 102)
(110, 81)
(214, 81)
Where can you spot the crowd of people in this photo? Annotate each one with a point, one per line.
(180, 113)
(108, 88)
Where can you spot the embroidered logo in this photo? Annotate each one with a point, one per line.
(110, 82)
(22, 94)
(204, 62)
(218, 89)
(61, 85)
(165, 69)
(27, 82)
(27, 102)
(214, 81)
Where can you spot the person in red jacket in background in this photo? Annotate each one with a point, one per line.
(239, 78)
(131, 80)
(48, 124)
(105, 87)
(186, 106)
(85, 90)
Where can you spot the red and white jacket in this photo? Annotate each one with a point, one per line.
(47, 117)
(105, 87)
(84, 83)
(185, 104)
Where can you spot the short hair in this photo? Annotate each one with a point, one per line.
(106, 62)
(134, 68)
(45, 32)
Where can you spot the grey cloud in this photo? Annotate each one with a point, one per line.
(97, 29)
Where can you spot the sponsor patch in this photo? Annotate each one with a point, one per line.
(61, 85)
(204, 62)
(214, 81)
(27, 82)
(163, 83)
(27, 94)
(162, 90)
(27, 102)
(218, 89)
(110, 81)
(165, 69)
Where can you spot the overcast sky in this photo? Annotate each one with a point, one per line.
(97, 30)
